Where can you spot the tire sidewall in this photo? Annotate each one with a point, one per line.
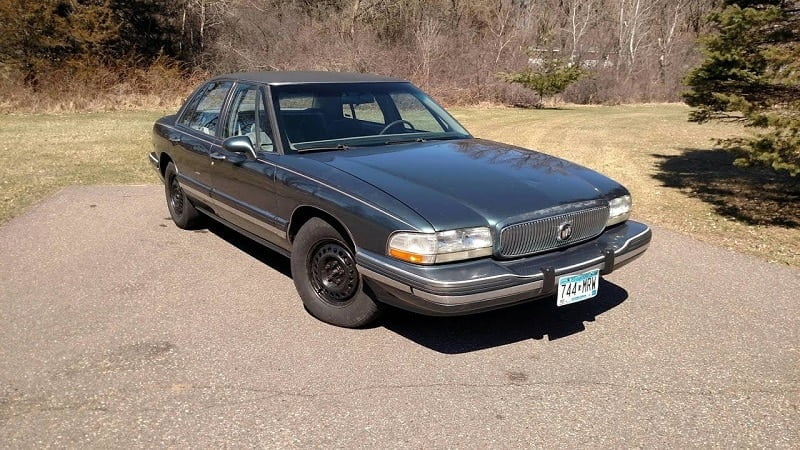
(360, 310)
(187, 217)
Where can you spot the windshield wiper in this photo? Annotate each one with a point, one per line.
(404, 141)
(323, 149)
(444, 138)
(426, 139)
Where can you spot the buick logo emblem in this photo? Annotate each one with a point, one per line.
(564, 231)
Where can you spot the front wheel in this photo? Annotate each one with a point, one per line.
(325, 275)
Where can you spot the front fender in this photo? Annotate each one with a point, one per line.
(369, 214)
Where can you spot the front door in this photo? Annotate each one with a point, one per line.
(244, 185)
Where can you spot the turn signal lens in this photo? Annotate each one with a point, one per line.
(411, 257)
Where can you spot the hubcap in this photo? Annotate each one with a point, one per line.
(333, 273)
(176, 196)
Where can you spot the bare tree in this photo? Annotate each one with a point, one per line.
(671, 15)
(503, 27)
(633, 29)
(428, 43)
(580, 13)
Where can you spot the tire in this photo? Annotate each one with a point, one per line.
(181, 210)
(325, 275)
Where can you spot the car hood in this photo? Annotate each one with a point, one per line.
(471, 182)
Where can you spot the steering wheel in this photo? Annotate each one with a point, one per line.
(391, 124)
(211, 124)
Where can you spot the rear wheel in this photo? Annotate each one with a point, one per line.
(325, 275)
(181, 210)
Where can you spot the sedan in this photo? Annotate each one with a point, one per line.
(380, 197)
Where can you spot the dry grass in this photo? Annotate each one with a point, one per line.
(129, 86)
(41, 153)
(665, 161)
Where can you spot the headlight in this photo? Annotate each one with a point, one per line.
(619, 209)
(444, 246)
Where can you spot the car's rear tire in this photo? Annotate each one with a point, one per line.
(325, 275)
(181, 210)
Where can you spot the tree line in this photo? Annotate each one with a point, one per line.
(632, 50)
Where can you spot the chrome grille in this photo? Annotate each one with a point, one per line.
(540, 235)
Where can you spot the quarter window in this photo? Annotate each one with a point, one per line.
(202, 114)
(411, 109)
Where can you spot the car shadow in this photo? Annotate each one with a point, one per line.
(753, 195)
(463, 334)
(263, 254)
(535, 320)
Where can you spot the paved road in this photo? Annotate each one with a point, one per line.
(118, 329)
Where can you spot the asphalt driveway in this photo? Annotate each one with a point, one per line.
(118, 329)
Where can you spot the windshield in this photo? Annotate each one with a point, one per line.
(341, 115)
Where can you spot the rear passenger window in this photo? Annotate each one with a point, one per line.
(296, 101)
(411, 109)
(362, 107)
(202, 114)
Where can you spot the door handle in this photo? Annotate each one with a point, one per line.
(217, 156)
(174, 139)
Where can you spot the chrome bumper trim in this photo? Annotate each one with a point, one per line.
(383, 279)
(533, 287)
(628, 242)
(628, 256)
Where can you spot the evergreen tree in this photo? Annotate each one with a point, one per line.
(44, 35)
(752, 74)
(546, 76)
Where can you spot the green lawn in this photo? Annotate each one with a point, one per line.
(667, 163)
(41, 153)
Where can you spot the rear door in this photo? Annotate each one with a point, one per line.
(199, 125)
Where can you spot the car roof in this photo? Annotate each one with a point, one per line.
(306, 77)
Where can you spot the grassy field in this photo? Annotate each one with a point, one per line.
(676, 180)
(41, 153)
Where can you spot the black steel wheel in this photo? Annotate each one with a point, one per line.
(326, 277)
(176, 197)
(181, 210)
(333, 273)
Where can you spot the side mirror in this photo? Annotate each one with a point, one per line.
(239, 144)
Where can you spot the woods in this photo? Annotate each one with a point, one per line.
(634, 50)
(631, 50)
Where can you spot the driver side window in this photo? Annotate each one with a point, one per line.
(202, 114)
(248, 117)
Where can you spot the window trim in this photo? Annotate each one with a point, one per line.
(202, 90)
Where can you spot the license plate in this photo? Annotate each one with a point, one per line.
(575, 288)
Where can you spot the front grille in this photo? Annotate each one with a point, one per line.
(540, 235)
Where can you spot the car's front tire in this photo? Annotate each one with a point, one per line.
(181, 210)
(325, 275)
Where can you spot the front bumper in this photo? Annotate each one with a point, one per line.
(484, 284)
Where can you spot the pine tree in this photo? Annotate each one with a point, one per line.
(546, 76)
(751, 74)
(40, 36)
